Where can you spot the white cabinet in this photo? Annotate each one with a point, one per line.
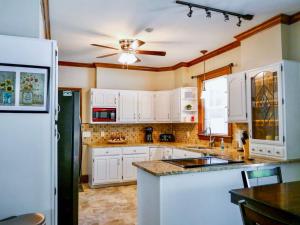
(176, 106)
(237, 111)
(163, 106)
(181, 154)
(185, 105)
(107, 169)
(104, 98)
(146, 106)
(273, 104)
(156, 153)
(128, 106)
(130, 171)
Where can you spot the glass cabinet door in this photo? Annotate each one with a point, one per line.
(264, 106)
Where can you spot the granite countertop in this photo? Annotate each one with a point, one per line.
(161, 168)
(156, 144)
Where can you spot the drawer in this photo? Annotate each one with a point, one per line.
(258, 149)
(135, 150)
(279, 152)
(106, 151)
(269, 150)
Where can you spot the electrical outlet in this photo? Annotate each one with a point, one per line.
(86, 134)
(102, 133)
(188, 134)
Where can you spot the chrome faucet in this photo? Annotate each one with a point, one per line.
(211, 138)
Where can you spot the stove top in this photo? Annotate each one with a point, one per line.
(201, 162)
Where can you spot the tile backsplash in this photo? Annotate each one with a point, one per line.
(134, 133)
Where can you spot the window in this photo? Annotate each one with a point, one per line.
(215, 105)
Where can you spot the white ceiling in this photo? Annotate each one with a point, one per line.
(75, 24)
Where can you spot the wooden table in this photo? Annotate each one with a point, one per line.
(282, 200)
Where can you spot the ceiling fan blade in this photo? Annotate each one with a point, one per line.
(136, 43)
(146, 52)
(103, 46)
(108, 55)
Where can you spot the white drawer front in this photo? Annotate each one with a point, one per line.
(279, 152)
(135, 150)
(106, 151)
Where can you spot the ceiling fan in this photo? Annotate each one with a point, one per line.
(128, 50)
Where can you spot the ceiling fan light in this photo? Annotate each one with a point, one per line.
(127, 58)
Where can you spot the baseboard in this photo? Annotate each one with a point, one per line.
(84, 179)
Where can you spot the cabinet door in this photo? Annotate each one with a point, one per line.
(114, 168)
(178, 154)
(237, 98)
(167, 153)
(128, 106)
(104, 98)
(176, 108)
(163, 106)
(99, 170)
(130, 171)
(265, 105)
(146, 106)
(156, 153)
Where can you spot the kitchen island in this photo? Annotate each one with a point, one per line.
(171, 195)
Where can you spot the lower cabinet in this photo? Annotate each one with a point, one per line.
(130, 171)
(107, 169)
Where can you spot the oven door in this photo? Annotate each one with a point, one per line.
(104, 114)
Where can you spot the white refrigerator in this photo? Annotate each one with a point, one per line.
(28, 176)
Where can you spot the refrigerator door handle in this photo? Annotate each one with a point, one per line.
(58, 136)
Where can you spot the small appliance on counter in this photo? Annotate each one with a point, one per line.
(148, 134)
(166, 138)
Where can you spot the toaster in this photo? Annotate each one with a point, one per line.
(166, 138)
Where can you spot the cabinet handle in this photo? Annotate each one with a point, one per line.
(115, 101)
(139, 116)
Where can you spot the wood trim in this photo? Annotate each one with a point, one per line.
(84, 179)
(279, 19)
(295, 18)
(201, 109)
(76, 64)
(129, 67)
(46, 18)
(215, 53)
(74, 89)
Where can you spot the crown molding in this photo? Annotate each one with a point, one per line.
(76, 64)
(279, 19)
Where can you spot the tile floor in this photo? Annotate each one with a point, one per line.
(108, 206)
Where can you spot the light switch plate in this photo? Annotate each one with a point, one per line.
(86, 134)
(102, 134)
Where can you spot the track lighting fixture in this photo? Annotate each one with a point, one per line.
(190, 13)
(240, 22)
(226, 17)
(208, 11)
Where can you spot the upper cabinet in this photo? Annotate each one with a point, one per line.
(128, 106)
(163, 106)
(146, 106)
(104, 98)
(237, 110)
(185, 105)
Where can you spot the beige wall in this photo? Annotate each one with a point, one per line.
(78, 77)
(262, 49)
(292, 41)
(134, 79)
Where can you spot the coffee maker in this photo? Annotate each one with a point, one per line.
(148, 134)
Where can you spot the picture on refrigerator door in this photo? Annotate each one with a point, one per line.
(7, 88)
(32, 89)
(24, 88)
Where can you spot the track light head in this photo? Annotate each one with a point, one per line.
(190, 13)
(208, 13)
(226, 17)
(240, 22)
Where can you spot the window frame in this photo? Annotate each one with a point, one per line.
(226, 70)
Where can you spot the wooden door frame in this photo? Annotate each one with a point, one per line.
(74, 89)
